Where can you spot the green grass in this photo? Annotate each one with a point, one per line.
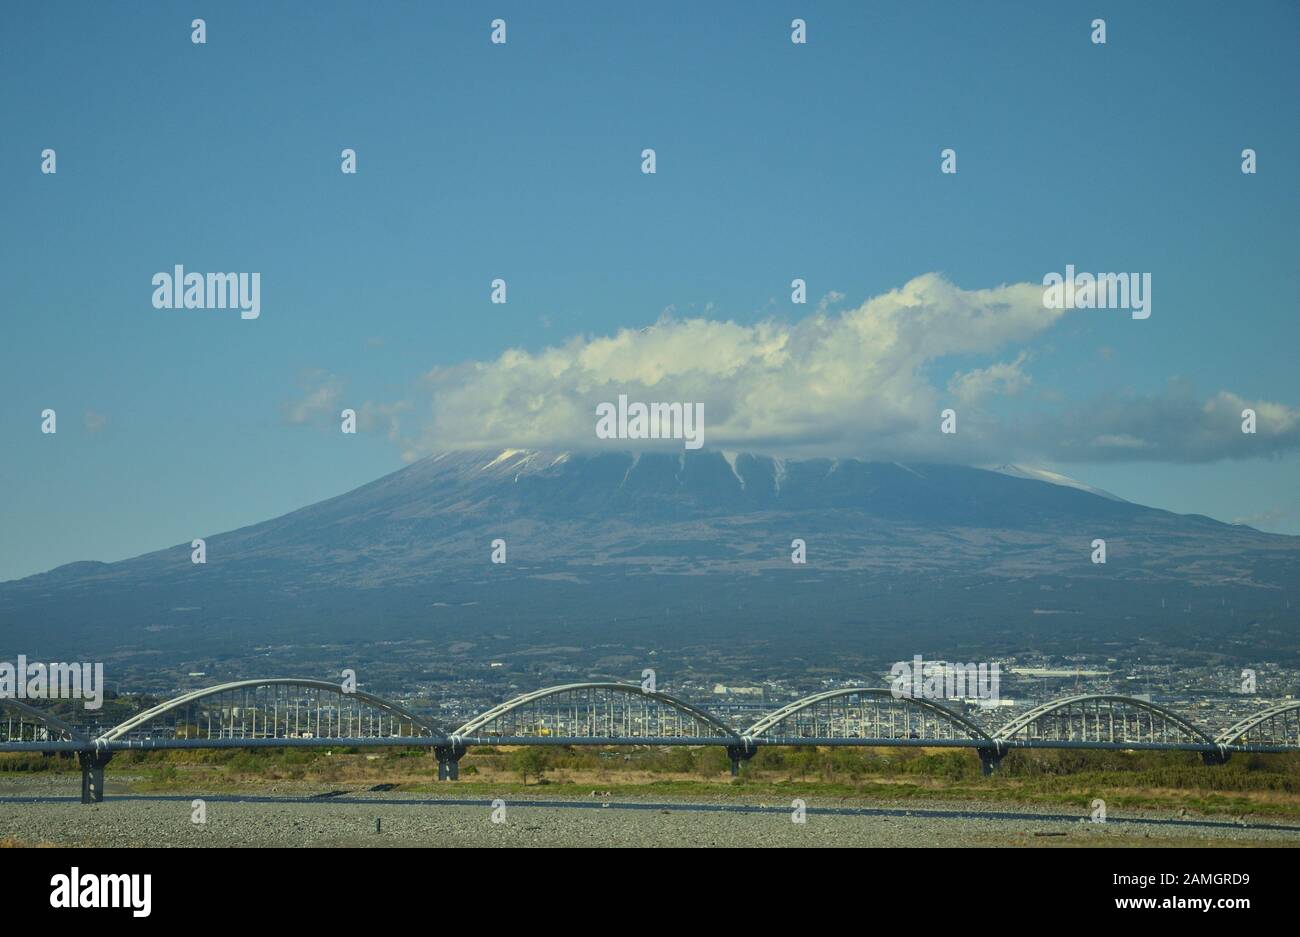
(1262, 786)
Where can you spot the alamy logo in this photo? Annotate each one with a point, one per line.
(181, 290)
(937, 680)
(103, 891)
(684, 421)
(1130, 291)
(52, 681)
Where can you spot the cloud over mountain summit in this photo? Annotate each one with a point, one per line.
(869, 381)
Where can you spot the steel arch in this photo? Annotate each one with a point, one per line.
(46, 719)
(1007, 732)
(140, 719)
(771, 719)
(1230, 735)
(725, 732)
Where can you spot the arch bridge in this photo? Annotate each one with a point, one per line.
(1278, 726)
(284, 712)
(591, 714)
(247, 713)
(24, 727)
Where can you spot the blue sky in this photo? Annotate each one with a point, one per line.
(522, 161)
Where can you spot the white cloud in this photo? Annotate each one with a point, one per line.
(319, 402)
(1119, 441)
(1006, 377)
(827, 382)
(1174, 425)
(850, 383)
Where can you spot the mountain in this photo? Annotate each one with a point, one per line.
(686, 550)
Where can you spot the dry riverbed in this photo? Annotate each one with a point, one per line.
(44, 809)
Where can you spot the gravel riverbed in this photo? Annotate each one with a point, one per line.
(46, 810)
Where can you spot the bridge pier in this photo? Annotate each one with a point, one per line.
(1219, 757)
(92, 775)
(739, 753)
(990, 760)
(449, 757)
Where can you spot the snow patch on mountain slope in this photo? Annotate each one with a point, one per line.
(1052, 478)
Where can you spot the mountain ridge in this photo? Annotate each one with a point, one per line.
(889, 546)
(758, 477)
